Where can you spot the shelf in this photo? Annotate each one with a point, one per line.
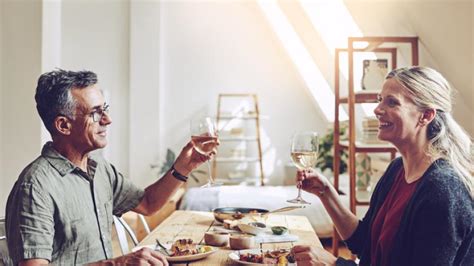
(227, 117)
(237, 118)
(243, 117)
(369, 147)
(238, 160)
(365, 97)
(250, 138)
(353, 146)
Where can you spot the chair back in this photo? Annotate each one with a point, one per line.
(124, 232)
(144, 223)
(4, 256)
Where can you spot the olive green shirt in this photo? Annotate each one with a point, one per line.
(58, 212)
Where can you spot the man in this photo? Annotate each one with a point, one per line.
(60, 209)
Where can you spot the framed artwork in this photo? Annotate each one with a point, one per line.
(374, 72)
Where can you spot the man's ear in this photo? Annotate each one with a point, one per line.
(62, 125)
(427, 116)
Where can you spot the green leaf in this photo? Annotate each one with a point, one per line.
(170, 156)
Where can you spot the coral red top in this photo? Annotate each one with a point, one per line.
(388, 218)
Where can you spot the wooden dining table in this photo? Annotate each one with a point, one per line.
(194, 224)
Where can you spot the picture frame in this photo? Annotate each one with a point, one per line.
(373, 74)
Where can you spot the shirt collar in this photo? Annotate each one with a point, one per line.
(61, 163)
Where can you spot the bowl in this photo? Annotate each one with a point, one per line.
(279, 230)
(252, 228)
(217, 239)
(241, 241)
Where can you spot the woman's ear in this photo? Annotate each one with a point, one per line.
(62, 125)
(427, 116)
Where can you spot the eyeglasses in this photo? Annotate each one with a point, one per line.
(99, 113)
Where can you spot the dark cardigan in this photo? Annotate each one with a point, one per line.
(437, 224)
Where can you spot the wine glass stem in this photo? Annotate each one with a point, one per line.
(211, 180)
(299, 192)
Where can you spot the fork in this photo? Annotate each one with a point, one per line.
(158, 244)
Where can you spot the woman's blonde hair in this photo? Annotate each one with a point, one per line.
(448, 140)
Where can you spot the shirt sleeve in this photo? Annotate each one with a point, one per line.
(126, 194)
(30, 224)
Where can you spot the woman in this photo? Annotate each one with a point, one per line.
(421, 211)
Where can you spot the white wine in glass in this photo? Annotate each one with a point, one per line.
(304, 154)
(204, 139)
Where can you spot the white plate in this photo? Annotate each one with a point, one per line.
(235, 256)
(182, 258)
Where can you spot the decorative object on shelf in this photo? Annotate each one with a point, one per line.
(370, 130)
(363, 171)
(374, 72)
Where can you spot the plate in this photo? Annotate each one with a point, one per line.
(182, 258)
(235, 256)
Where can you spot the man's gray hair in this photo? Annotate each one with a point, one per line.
(53, 94)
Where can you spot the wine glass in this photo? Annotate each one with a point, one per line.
(304, 154)
(204, 139)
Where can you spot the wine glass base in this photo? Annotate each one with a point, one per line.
(298, 201)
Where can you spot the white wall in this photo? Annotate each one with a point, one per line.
(210, 48)
(95, 36)
(21, 65)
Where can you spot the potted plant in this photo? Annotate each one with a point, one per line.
(326, 152)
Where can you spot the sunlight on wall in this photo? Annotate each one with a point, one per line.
(335, 24)
(316, 83)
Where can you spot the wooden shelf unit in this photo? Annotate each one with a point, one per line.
(352, 145)
(253, 138)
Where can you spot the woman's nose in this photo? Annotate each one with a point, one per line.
(378, 111)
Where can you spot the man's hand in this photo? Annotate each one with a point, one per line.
(308, 255)
(189, 159)
(312, 182)
(144, 256)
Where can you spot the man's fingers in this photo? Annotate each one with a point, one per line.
(160, 257)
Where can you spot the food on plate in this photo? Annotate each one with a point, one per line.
(185, 247)
(275, 257)
(231, 224)
(279, 230)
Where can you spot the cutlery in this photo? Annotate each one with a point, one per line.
(158, 244)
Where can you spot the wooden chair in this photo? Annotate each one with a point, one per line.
(126, 233)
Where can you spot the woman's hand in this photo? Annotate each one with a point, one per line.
(309, 255)
(312, 182)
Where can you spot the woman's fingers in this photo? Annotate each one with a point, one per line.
(300, 248)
